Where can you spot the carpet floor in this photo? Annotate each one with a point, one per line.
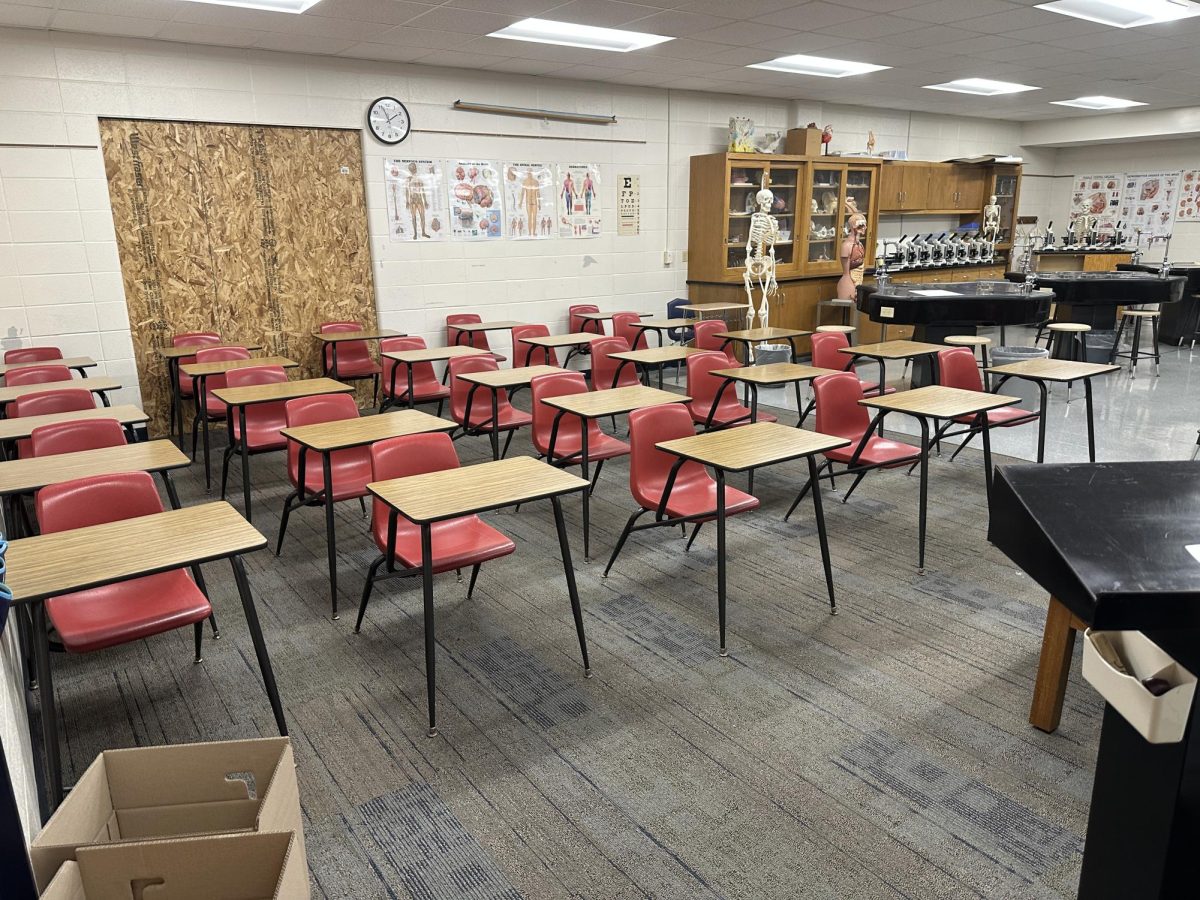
(882, 752)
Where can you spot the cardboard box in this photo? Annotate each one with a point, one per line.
(174, 791)
(230, 867)
(803, 142)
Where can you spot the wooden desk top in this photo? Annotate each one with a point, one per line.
(71, 362)
(499, 325)
(334, 337)
(893, 349)
(774, 373)
(52, 564)
(614, 401)
(22, 426)
(22, 475)
(756, 335)
(1053, 369)
(327, 436)
(509, 378)
(654, 355)
(711, 307)
(659, 324)
(190, 350)
(603, 316)
(283, 390)
(939, 402)
(474, 489)
(751, 446)
(573, 339)
(433, 354)
(95, 385)
(221, 366)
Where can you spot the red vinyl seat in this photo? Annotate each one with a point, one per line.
(76, 435)
(476, 339)
(508, 417)
(702, 386)
(353, 357)
(264, 421)
(604, 367)
(187, 387)
(31, 354)
(45, 374)
(127, 610)
(957, 368)
(577, 325)
(706, 339)
(426, 387)
(210, 406)
(826, 354)
(622, 327)
(568, 443)
(350, 468)
(693, 495)
(455, 543)
(537, 356)
(46, 403)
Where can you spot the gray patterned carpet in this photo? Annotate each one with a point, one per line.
(883, 752)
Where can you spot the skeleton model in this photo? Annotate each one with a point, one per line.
(760, 257)
(991, 220)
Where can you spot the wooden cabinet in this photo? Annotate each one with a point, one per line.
(970, 184)
(928, 187)
(904, 187)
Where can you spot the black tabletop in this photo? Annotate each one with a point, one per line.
(1117, 543)
(928, 291)
(1188, 270)
(953, 303)
(1100, 288)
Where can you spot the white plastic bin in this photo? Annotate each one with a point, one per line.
(1160, 720)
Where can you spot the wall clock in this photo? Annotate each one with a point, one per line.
(389, 120)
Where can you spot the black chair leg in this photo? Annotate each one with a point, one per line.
(195, 434)
(362, 503)
(621, 540)
(366, 595)
(507, 441)
(970, 436)
(596, 477)
(198, 634)
(800, 496)
(1112, 357)
(225, 467)
(692, 539)
(212, 616)
(857, 478)
(287, 512)
(474, 574)
(375, 391)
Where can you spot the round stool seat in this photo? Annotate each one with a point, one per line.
(1068, 326)
(1141, 313)
(838, 329)
(968, 340)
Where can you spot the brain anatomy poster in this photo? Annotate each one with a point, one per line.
(578, 191)
(1148, 203)
(529, 200)
(1099, 196)
(415, 200)
(476, 206)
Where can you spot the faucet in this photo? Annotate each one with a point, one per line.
(883, 281)
(1164, 268)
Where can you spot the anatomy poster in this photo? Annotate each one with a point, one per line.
(476, 207)
(1099, 196)
(415, 202)
(529, 200)
(1188, 208)
(578, 190)
(1148, 203)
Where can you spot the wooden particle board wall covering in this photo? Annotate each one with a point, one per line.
(258, 233)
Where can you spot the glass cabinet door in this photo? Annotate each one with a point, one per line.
(785, 185)
(860, 187)
(745, 180)
(1004, 186)
(825, 217)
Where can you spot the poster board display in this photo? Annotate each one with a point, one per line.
(1188, 209)
(1148, 203)
(579, 207)
(529, 200)
(476, 204)
(1099, 196)
(416, 200)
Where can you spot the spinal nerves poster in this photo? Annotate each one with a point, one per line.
(415, 202)
(476, 207)
(1148, 205)
(529, 200)
(578, 189)
(1099, 196)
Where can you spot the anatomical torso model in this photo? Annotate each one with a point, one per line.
(852, 253)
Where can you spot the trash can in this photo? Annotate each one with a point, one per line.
(1100, 345)
(765, 354)
(1018, 387)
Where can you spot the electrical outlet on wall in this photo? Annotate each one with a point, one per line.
(683, 256)
(668, 257)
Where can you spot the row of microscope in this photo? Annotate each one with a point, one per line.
(922, 251)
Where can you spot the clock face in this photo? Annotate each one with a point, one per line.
(389, 120)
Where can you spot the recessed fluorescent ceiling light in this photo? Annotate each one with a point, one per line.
(1124, 13)
(817, 65)
(983, 87)
(284, 6)
(545, 31)
(1098, 102)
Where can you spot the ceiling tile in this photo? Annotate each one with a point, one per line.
(604, 13)
(811, 16)
(386, 12)
(125, 26)
(677, 23)
(462, 21)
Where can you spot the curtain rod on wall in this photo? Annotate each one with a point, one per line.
(8, 146)
(526, 113)
(527, 137)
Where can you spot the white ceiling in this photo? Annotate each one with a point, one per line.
(925, 41)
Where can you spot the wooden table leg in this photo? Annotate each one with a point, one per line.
(1058, 642)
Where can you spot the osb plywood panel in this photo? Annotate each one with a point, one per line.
(257, 233)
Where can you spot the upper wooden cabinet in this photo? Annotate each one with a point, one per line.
(904, 186)
(932, 187)
(810, 202)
